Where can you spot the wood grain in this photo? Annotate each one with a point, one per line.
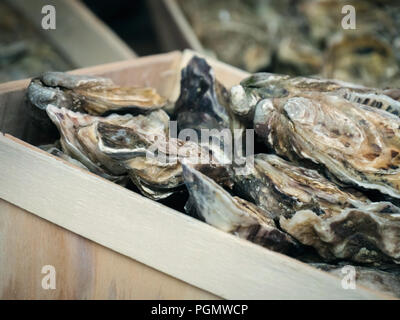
(84, 269)
(80, 36)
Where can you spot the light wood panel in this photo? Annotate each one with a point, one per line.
(84, 269)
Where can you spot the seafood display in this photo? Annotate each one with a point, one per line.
(323, 185)
(303, 37)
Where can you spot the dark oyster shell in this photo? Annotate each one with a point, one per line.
(218, 208)
(282, 188)
(368, 234)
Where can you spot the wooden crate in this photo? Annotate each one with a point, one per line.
(185, 258)
(80, 37)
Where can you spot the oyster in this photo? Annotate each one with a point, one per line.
(367, 234)
(357, 144)
(54, 149)
(282, 188)
(231, 31)
(154, 162)
(203, 109)
(203, 102)
(379, 280)
(79, 136)
(245, 96)
(218, 208)
(365, 59)
(92, 95)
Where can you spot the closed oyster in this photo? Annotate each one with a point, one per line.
(203, 102)
(368, 234)
(154, 161)
(92, 95)
(54, 149)
(365, 59)
(214, 205)
(203, 109)
(282, 188)
(357, 144)
(79, 136)
(245, 96)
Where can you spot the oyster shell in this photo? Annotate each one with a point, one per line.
(154, 162)
(54, 149)
(245, 96)
(203, 106)
(365, 59)
(218, 208)
(79, 136)
(282, 188)
(203, 102)
(357, 144)
(367, 234)
(379, 280)
(92, 95)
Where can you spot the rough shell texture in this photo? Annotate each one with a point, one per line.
(231, 214)
(358, 144)
(266, 85)
(372, 278)
(283, 188)
(203, 102)
(154, 162)
(369, 234)
(93, 95)
(80, 136)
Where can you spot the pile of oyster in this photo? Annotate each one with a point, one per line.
(303, 37)
(323, 184)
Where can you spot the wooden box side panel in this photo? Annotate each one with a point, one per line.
(84, 269)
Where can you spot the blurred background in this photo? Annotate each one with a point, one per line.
(297, 37)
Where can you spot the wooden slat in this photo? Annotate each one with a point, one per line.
(84, 269)
(174, 31)
(79, 35)
(155, 235)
